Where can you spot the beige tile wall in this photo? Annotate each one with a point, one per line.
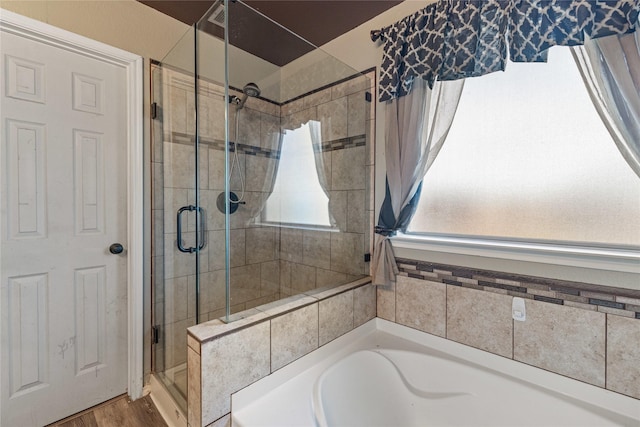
(596, 347)
(235, 355)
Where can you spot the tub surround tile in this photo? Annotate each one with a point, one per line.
(623, 356)
(230, 363)
(293, 335)
(287, 305)
(421, 305)
(480, 319)
(386, 302)
(194, 409)
(335, 316)
(224, 421)
(565, 340)
(607, 299)
(364, 304)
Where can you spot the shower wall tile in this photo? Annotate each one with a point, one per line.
(175, 291)
(259, 171)
(177, 110)
(356, 116)
(347, 253)
(269, 277)
(175, 342)
(303, 278)
(249, 126)
(216, 169)
(623, 355)
(335, 316)
(158, 185)
(292, 107)
(230, 363)
(212, 292)
(421, 304)
(245, 283)
(370, 128)
(157, 270)
(270, 132)
(480, 319)
(291, 244)
(326, 278)
(316, 248)
(348, 169)
(317, 98)
(350, 86)
(237, 246)
(295, 120)
(333, 118)
(565, 340)
(364, 304)
(293, 335)
(217, 250)
(208, 201)
(262, 245)
(356, 211)
(285, 278)
(338, 207)
(177, 264)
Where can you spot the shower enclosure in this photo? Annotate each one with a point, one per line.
(261, 176)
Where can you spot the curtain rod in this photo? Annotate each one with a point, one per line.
(375, 35)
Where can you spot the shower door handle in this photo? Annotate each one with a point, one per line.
(203, 222)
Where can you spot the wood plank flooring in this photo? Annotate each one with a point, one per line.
(117, 412)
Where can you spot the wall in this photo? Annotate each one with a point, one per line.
(582, 331)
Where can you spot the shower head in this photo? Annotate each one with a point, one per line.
(249, 90)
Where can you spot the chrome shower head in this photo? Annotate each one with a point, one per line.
(249, 90)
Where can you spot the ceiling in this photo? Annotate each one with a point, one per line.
(317, 21)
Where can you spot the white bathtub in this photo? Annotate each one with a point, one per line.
(384, 374)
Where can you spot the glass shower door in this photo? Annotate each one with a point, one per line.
(178, 221)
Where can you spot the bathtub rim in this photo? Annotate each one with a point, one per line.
(356, 340)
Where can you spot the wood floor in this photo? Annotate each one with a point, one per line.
(117, 412)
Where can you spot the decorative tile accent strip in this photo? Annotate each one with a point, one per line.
(582, 295)
(252, 150)
(342, 143)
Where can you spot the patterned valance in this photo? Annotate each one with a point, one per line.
(454, 39)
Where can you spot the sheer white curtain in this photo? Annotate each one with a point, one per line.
(417, 125)
(322, 168)
(610, 68)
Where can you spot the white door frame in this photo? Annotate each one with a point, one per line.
(133, 65)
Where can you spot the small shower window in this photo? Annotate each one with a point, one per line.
(298, 199)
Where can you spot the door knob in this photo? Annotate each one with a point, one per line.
(116, 248)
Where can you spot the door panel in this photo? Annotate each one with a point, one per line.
(63, 168)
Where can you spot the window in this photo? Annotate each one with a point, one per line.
(529, 159)
(297, 198)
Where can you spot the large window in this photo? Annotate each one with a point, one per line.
(528, 158)
(297, 198)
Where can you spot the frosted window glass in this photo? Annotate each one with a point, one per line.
(297, 196)
(528, 158)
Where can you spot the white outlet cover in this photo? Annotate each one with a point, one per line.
(518, 309)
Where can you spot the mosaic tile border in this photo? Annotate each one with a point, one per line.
(252, 150)
(605, 299)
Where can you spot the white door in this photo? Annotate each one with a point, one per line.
(64, 186)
